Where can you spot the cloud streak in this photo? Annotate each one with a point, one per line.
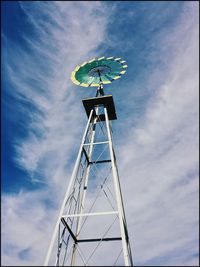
(42, 78)
(160, 159)
(63, 34)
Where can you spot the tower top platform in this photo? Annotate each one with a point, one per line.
(106, 101)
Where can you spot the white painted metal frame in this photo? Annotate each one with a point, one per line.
(120, 208)
(91, 214)
(67, 193)
(123, 226)
(85, 185)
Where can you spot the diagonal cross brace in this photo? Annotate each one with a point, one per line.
(68, 228)
(88, 240)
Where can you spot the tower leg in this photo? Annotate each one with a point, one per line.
(123, 228)
(85, 188)
(67, 193)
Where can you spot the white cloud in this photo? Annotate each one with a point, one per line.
(24, 228)
(67, 34)
(159, 162)
(62, 41)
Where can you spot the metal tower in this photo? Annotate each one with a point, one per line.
(91, 228)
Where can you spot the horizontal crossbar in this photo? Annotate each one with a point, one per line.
(96, 143)
(100, 161)
(90, 214)
(99, 239)
(89, 239)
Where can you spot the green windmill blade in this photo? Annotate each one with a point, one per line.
(98, 71)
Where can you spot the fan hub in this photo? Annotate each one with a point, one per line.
(99, 71)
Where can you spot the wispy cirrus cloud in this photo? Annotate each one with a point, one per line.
(42, 78)
(62, 35)
(160, 157)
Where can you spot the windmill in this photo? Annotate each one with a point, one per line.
(92, 222)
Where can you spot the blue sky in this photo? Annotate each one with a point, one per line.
(156, 134)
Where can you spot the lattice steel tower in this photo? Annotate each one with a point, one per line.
(91, 228)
